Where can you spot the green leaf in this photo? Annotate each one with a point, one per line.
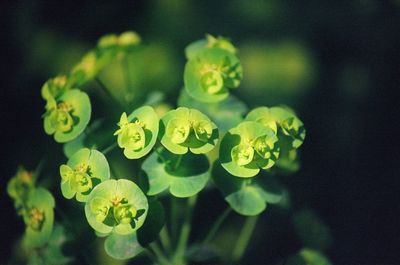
(246, 196)
(312, 231)
(39, 218)
(226, 113)
(138, 134)
(116, 205)
(51, 253)
(308, 256)
(155, 221)
(210, 73)
(122, 246)
(185, 176)
(69, 117)
(186, 129)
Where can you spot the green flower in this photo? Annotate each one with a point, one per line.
(38, 218)
(19, 187)
(124, 41)
(117, 206)
(247, 148)
(90, 65)
(84, 170)
(138, 132)
(67, 116)
(55, 87)
(211, 73)
(291, 131)
(183, 129)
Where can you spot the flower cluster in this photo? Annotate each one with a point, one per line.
(35, 205)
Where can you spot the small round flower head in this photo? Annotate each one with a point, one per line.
(211, 73)
(19, 187)
(116, 206)
(38, 217)
(67, 116)
(125, 40)
(138, 132)
(183, 129)
(55, 87)
(247, 148)
(283, 118)
(84, 170)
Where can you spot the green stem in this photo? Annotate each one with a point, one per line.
(178, 162)
(160, 256)
(244, 238)
(179, 257)
(109, 148)
(165, 239)
(217, 224)
(174, 219)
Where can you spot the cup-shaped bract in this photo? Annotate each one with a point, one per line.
(138, 132)
(211, 73)
(291, 131)
(247, 148)
(54, 87)
(117, 206)
(38, 218)
(83, 171)
(209, 42)
(67, 116)
(183, 129)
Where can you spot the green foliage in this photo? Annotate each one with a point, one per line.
(51, 253)
(186, 129)
(185, 175)
(266, 138)
(117, 206)
(247, 196)
(83, 171)
(138, 132)
(312, 231)
(122, 246)
(308, 256)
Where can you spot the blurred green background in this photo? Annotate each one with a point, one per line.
(335, 62)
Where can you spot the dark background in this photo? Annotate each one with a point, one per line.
(350, 160)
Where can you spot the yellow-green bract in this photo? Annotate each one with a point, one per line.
(19, 187)
(84, 170)
(39, 217)
(117, 206)
(67, 116)
(183, 129)
(138, 132)
(209, 42)
(211, 73)
(247, 148)
(283, 121)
